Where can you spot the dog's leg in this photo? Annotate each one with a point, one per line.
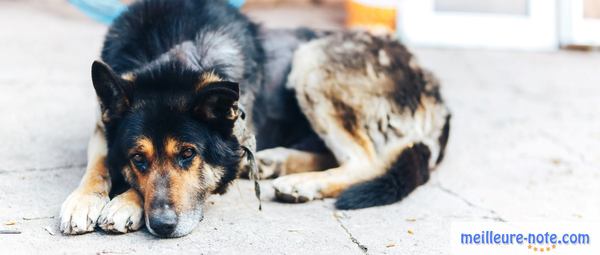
(81, 209)
(408, 164)
(282, 161)
(302, 187)
(348, 94)
(376, 111)
(337, 123)
(124, 213)
(355, 153)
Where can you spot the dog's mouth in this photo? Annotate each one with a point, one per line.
(166, 223)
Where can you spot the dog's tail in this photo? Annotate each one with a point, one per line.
(406, 173)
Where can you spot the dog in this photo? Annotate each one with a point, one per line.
(189, 90)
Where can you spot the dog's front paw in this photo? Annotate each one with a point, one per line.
(123, 214)
(271, 162)
(298, 188)
(80, 211)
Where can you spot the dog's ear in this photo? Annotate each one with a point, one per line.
(217, 104)
(110, 89)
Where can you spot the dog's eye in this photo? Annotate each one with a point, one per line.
(188, 154)
(138, 158)
(139, 161)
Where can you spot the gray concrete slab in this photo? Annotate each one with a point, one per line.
(524, 146)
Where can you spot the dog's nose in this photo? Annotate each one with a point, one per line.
(163, 222)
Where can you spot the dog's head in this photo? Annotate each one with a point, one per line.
(169, 133)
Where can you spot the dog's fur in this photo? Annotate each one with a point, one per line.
(181, 78)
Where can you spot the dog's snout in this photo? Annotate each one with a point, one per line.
(163, 221)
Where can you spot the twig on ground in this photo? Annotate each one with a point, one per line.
(49, 230)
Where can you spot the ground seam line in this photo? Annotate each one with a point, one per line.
(469, 203)
(352, 238)
(4, 171)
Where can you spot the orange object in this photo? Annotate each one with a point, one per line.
(374, 15)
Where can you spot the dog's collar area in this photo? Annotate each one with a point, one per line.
(248, 144)
(242, 113)
(253, 174)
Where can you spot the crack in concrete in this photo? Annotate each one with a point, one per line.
(56, 168)
(495, 215)
(362, 247)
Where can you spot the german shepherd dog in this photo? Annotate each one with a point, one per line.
(190, 89)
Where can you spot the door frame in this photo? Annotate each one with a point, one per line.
(575, 28)
(537, 31)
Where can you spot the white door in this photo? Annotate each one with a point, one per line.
(509, 24)
(581, 22)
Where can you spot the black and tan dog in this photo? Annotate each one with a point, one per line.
(186, 85)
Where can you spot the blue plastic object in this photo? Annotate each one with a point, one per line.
(105, 11)
(237, 3)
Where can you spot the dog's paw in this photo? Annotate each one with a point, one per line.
(80, 212)
(124, 213)
(272, 162)
(298, 188)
